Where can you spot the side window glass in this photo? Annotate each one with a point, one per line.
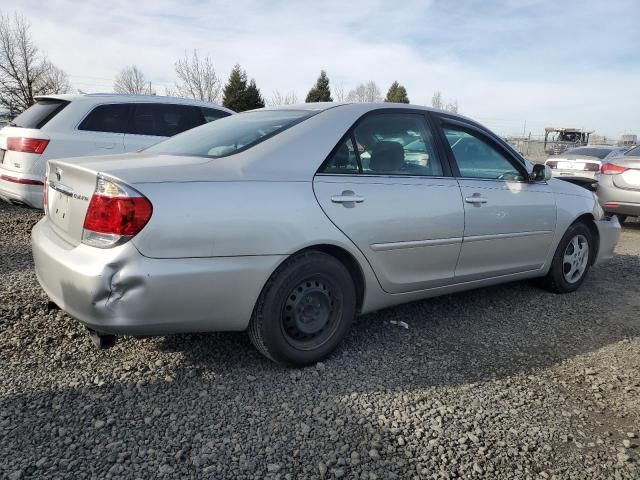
(477, 159)
(344, 160)
(162, 120)
(211, 114)
(107, 118)
(396, 144)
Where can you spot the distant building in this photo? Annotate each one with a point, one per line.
(628, 140)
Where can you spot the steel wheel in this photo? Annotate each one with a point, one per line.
(310, 313)
(576, 258)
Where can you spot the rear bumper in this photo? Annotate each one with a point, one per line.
(577, 174)
(609, 234)
(119, 291)
(12, 190)
(618, 200)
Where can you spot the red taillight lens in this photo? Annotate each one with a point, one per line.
(27, 145)
(124, 216)
(552, 164)
(20, 181)
(612, 169)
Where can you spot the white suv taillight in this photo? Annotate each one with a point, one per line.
(116, 214)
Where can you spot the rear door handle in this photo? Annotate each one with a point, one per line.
(476, 199)
(347, 198)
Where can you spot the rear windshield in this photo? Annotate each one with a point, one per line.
(590, 152)
(231, 134)
(38, 114)
(634, 151)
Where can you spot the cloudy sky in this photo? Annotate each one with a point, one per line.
(563, 63)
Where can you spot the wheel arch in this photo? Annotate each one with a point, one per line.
(589, 221)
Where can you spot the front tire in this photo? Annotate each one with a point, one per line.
(571, 261)
(304, 310)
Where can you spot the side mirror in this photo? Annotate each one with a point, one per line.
(540, 173)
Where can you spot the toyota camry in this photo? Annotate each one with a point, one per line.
(288, 222)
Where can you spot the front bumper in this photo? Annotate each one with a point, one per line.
(609, 234)
(13, 191)
(121, 292)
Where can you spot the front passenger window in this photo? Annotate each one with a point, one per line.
(477, 159)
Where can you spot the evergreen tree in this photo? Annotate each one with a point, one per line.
(253, 98)
(235, 89)
(397, 94)
(320, 91)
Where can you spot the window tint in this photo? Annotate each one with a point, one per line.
(389, 144)
(38, 114)
(634, 151)
(477, 159)
(231, 134)
(162, 119)
(589, 152)
(107, 118)
(211, 114)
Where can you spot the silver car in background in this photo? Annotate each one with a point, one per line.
(287, 222)
(619, 185)
(582, 163)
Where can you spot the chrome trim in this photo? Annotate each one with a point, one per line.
(498, 236)
(381, 247)
(58, 187)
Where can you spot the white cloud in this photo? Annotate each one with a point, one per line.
(505, 62)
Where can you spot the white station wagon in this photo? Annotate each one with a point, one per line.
(60, 126)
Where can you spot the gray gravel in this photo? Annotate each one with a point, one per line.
(504, 382)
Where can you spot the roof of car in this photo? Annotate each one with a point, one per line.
(120, 97)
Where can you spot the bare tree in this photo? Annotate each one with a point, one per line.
(197, 78)
(283, 99)
(25, 72)
(132, 81)
(369, 92)
(339, 94)
(436, 100)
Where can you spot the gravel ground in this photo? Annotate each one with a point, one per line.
(503, 382)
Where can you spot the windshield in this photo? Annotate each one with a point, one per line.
(231, 134)
(634, 152)
(590, 152)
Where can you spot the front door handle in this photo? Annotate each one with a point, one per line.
(347, 198)
(475, 199)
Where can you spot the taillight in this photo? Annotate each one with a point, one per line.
(591, 167)
(27, 145)
(612, 169)
(116, 213)
(552, 164)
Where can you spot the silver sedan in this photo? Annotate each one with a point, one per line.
(619, 185)
(289, 222)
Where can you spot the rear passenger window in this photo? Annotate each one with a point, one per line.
(388, 144)
(38, 114)
(162, 120)
(107, 118)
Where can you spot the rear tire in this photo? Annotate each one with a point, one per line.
(304, 310)
(571, 261)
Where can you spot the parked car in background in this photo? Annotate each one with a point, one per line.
(582, 163)
(59, 126)
(289, 221)
(619, 185)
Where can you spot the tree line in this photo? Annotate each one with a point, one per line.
(26, 73)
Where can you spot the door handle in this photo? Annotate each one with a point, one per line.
(476, 199)
(347, 198)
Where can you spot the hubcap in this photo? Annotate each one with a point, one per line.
(309, 313)
(576, 258)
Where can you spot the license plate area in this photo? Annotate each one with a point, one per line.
(571, 165)
(58, 208)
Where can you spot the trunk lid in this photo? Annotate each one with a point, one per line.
(629, 180)
(69, 189)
